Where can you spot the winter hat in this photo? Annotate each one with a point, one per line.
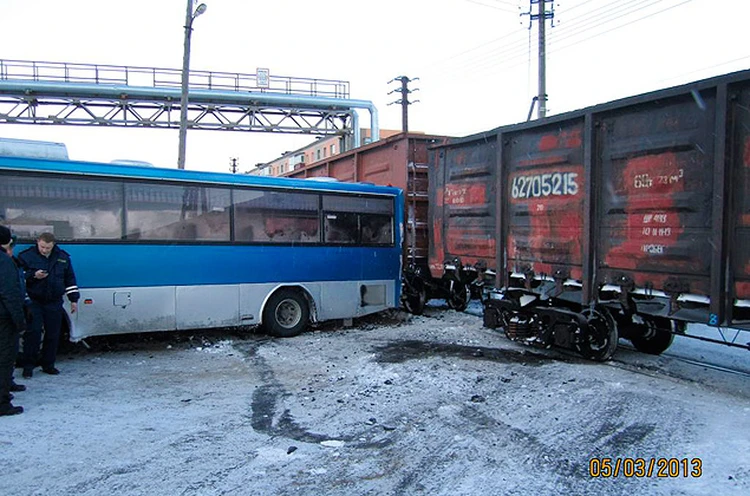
(4, 235)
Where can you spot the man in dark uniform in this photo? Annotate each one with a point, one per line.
(49, 277)
(12, 322)
(26, 303)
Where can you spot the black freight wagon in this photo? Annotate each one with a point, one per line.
(627, 219)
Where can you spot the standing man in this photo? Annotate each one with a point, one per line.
(49, 277)
(12, 322)
(26, 303)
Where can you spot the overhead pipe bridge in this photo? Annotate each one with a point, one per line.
(122, 96)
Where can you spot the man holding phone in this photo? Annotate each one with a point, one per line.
(49, 277)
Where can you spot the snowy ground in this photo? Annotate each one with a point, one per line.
(395, 405)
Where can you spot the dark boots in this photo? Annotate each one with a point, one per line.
(9, 409)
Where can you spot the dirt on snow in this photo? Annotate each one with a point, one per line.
(394, 405)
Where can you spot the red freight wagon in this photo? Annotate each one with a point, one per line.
(627, 219)
(402, 161)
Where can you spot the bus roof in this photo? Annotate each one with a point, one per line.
(165, 174)
(14, 147)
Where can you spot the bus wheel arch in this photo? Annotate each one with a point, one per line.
(287, 311)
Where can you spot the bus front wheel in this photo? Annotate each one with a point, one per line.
(286, 314)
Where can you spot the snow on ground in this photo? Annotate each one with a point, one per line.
(395, 405)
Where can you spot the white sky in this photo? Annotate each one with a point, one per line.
(475, 59)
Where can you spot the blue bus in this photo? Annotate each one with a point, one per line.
(158, 249)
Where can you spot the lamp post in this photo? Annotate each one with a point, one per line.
(189, 18)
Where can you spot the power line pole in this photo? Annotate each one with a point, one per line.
(233, 165)
(404, 100)
(542, 17)
(542, 63)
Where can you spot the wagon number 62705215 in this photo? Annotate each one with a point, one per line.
(540, 185)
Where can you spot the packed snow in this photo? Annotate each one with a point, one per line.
(394, 405)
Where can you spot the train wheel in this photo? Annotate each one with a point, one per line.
(477, 289)
(416, 301)
(459, 296)
(286, 314)
(600, 339)
(653, 336)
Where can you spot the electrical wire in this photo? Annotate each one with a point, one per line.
(511, 4)
(578, 5)
(597, 10)
(496, 40)
(496, 7)
(510, 54)
(703, 69)
(528, 72)
(507, 52)
(601, 19)
(582, 28)
(557, 49)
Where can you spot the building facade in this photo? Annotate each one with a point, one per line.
(320, 149)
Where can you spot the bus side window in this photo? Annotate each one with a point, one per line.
(354, 219)
(376, 229)
(245, 224)
(275, 216)
(186, 231)
(245, 234)
(308, 229)
(71, 209)
(212, 226)
(340, 227)
(289, 228)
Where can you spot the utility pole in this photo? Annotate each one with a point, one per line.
(542, 17)
(404, 100)
(190, 16)
(233, 164)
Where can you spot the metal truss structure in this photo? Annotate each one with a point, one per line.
(91, 95)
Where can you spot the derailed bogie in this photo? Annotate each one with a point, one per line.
(418, 287)
(454, 286)
(599, 340)
(414, 291)
(458, 294)
(528, 318)
(652, 335)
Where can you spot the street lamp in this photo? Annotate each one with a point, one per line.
(189, 18)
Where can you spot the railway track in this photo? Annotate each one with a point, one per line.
(700, 363)
(639, 367)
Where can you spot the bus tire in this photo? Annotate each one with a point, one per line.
(286, 313)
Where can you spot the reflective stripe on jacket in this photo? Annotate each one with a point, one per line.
(61, 279)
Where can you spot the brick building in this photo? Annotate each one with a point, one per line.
(320, 149)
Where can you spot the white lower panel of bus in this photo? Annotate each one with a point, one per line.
(168, 308)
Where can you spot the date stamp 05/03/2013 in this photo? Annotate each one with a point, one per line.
(645, 467)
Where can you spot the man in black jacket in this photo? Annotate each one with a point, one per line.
(12, 322)
(26, 302)
(49, 277)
